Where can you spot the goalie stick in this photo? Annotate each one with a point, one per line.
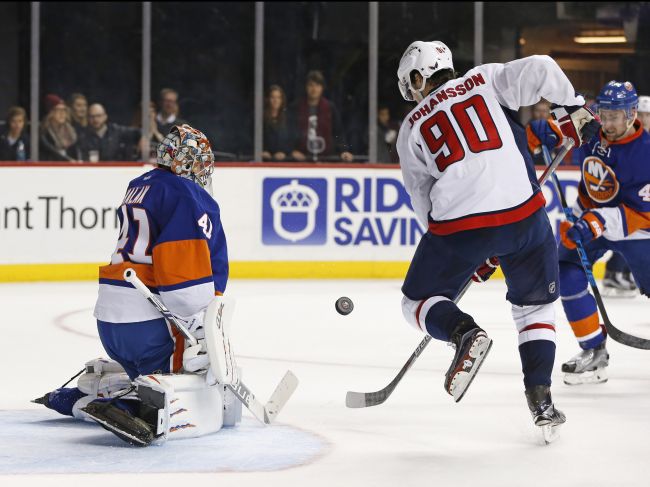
(612, 331)
(264, 413)
(366, 399)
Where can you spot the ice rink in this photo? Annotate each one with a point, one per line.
(418, 437)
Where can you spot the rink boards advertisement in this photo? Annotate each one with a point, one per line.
(280, 221)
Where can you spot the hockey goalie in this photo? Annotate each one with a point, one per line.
(155, 387)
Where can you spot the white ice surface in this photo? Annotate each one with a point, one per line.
(418, 437)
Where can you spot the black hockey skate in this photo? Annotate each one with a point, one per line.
(123, 424)
(544, 413)
(619, 284)
(472, 346)
(587, 367)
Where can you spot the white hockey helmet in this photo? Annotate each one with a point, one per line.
(426, 58)
(644, 104)
(187, 152)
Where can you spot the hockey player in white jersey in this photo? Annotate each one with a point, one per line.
(472, 183)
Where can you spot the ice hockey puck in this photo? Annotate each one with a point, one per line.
(344, 305)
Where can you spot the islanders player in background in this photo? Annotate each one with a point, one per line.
(171, 235)
(614, 209)
(472, 183)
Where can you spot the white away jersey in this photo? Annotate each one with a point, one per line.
(464, 158)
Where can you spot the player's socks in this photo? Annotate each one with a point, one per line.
(443, 317)
(537, 358)
(580, 306)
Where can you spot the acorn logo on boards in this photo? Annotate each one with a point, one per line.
(294, 211)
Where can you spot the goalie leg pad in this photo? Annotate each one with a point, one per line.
(103, 378)
(218, 319)
(180, 405)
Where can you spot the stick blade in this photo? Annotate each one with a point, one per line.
(364, 399)
(280, 396)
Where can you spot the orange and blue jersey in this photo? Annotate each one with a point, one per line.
(171, 234)
(616, 181)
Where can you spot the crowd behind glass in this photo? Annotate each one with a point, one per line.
(79, 128)
(307, 130)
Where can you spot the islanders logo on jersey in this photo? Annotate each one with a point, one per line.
(600, 180)
(294, 211)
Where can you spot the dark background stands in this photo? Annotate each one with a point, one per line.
(106, 141)
(58, 138)
(317, 128)
(14, 141)
(277, 133)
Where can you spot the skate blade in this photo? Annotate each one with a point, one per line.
(463, 379)
(550, 433)
(598, 376)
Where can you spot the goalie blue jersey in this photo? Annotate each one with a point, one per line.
(171, 235)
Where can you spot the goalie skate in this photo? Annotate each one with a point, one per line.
(587, 367)
(472, 347)
(545, 415)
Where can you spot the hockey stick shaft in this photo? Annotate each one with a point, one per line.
(367, 399)
(612, 331)
(239, 389)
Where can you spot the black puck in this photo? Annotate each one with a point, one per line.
(344, 305)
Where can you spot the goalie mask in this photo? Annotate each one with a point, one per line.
(186, 151)
(426, 58)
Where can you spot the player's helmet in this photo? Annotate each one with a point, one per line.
(426, 58)
(618, 95)
(187, 152)
(644, 104)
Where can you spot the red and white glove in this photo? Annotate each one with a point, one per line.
(578, 123)
(485, 270)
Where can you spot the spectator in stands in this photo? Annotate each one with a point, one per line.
(150, 146)
(541, 110)
(387, 130)
(104, 141)
(168, 115)
(277, 136)
(13, 142)
(318, 131)
(58, 138)
(79, 111)
(643, 112)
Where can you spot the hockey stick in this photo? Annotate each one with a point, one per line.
(612, 331)
(264, 413)
(367, 399)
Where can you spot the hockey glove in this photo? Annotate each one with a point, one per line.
(485, 270)
(194, 324)
(588, 227)
(578, 123)
(195, 357)
(543, 132)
